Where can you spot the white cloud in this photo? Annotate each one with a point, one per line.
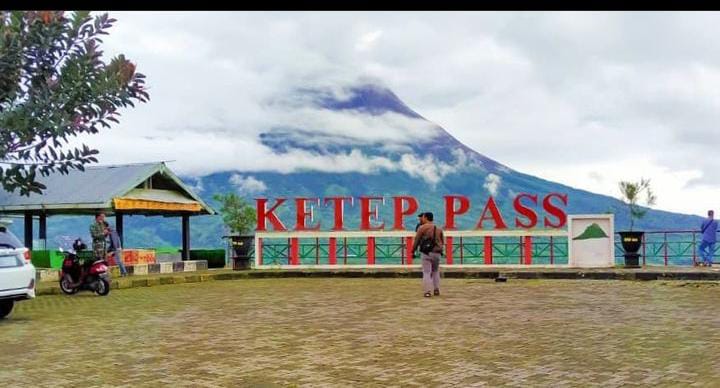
(198, 187)
(667, 184)
(366, 41)
(353, 127)
(247, 185)
(492, 183)
(433, 170)
(596, 176)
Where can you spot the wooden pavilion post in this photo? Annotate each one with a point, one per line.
(119, 227)
(28, 230)
(42, 233)
(186, 236)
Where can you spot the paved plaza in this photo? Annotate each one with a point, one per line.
(369, 332)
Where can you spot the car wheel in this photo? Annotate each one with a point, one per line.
(103, 287)
(6, 307)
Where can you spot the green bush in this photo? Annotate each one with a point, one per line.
(56, 259)
(167, 249)
(214, 257)
(40, 258)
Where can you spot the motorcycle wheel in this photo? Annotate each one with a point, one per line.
(103, 287)
(65, 286)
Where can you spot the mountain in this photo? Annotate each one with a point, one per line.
(593, 231)
(420, 159)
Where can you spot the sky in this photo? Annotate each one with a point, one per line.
(585, 99)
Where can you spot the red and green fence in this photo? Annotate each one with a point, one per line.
(385, 248)
(676, 247)
(546, 247)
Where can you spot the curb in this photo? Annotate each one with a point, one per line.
(52, 275)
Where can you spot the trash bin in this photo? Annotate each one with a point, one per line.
(241, 263)
(242, 246)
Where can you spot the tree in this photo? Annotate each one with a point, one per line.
(236, 213)
(54, 85)
(631, 193)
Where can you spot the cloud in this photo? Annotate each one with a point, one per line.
(596, 176)
(351, 126)
(366, 41)
(198, 187)
(492, 183)
(247, 185)
(432, 170)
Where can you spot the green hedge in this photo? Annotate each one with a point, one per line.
(215, 257)
(40, 259)
(53, 259)
(167, 249)
(46, 258)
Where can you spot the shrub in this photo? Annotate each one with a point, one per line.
(214, 257)
(40, 259)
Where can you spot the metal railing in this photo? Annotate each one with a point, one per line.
(671, 247)
(524, 247)
(666, 248)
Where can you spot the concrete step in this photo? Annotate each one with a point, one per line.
(53, 275)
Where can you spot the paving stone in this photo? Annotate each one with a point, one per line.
(310, 331)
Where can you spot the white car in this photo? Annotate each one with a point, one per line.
(17, 274)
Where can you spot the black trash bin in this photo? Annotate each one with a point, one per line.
(631, 243)
(242, 246)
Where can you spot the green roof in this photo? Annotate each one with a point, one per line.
(94, 189)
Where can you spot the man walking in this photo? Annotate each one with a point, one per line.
(708, 229)
(429, 239)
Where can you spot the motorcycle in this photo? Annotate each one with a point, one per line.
(96, 277)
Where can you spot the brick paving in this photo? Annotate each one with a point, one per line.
(369, 332)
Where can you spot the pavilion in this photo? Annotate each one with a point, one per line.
(149, 189)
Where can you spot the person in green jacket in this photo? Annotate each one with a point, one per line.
(99, 232)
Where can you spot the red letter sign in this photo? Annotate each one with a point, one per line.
(302, 214)
(400, 211)
(263, 214)
(555, 211)
(525, 211)
(495, 215)
(365, 213)
(451, 212)
(339, 210)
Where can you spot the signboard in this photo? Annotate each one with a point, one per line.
(525, 215)
(591, 241)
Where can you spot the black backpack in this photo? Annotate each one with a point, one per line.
(428, 244)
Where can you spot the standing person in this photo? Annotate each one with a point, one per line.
(98, 232)
(429, 239)
(116, 248)
(708, 229)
